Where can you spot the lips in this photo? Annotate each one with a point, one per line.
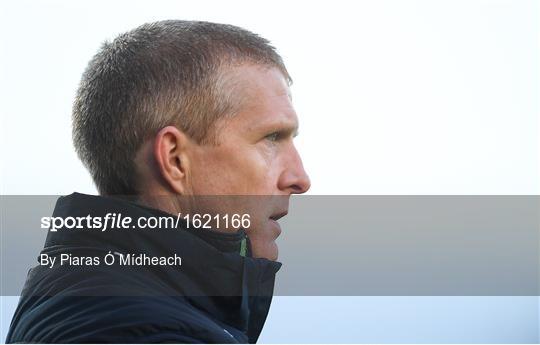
(278, 215)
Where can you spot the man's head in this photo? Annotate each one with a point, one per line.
(179, 108)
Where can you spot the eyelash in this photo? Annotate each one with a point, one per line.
(273, 136)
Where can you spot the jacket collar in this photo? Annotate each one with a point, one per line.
(235, 289)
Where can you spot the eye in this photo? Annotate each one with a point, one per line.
(273, 136)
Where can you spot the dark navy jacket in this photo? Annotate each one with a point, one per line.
(217, 295)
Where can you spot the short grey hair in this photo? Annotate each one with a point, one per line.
(159, 74)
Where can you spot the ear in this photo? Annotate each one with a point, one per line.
(170, 146)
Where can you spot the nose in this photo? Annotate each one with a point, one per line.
(294, 179)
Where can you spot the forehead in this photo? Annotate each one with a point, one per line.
(264, 98)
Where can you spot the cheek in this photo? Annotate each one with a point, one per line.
(206, 175)
(255, 172)
(235, 170)
(220, 172)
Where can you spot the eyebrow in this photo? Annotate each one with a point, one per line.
(287, 125)
(283, 128)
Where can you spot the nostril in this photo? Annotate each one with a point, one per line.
(305, 184)
(300, 188)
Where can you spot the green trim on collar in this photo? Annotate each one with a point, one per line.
(243, 247)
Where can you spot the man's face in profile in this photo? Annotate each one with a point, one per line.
(255, 155)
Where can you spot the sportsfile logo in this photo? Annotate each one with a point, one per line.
(116, 221)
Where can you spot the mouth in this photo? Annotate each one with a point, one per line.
(279, 215)
(274, 220)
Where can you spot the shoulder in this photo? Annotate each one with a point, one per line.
(63, 319)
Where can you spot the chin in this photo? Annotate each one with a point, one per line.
(268, 250)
